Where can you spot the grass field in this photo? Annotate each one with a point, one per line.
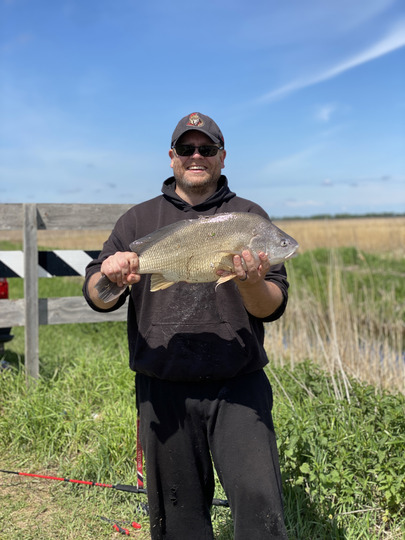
(384, 235)
(337, 370)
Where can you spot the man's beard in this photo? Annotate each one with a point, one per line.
(200, 188)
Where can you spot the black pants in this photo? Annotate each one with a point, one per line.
(184, 427)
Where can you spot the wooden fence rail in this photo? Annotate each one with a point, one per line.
(33, 311)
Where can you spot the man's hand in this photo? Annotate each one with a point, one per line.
(121, 268)
(261, 298)
(251, 267)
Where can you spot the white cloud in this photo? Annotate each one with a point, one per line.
(394, 40)
(324, 113)
(292, 162)
(292, 203)
(306, 21)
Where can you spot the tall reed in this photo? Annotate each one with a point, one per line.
(343, 322)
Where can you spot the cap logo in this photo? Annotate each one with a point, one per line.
(194, 120)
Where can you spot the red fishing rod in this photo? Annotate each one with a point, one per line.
(120, 487)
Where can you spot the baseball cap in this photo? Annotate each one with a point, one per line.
(198, 122)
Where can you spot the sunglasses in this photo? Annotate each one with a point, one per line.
(205, 150)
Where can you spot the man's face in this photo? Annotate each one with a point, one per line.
(197, 174)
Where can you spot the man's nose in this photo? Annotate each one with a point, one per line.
(196, 152)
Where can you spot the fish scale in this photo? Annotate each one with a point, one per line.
(172, 257)
(193, 250)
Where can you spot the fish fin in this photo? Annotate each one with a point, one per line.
(107, 290)
(226, 266)
(227, 258)
(224, 279)
(224, 261)
(159, 282)
(144, 243)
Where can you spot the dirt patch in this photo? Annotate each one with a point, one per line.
(35, 509)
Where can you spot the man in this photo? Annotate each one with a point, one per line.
(198, 354)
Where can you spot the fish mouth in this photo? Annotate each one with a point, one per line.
(282, 258)
(293, 253)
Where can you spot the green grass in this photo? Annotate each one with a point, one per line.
(342, 464)
(342, 459)
(364, 274)
(5, 245)
(48, 287)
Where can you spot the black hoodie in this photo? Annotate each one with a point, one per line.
(188, 332)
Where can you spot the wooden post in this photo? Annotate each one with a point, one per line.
(31, 292)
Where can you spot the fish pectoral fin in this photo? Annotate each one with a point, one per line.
(225, 266)
(224, 261)
(159, 282)
(224, 279)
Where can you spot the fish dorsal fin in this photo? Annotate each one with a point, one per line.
(144, 243)
(159, 282)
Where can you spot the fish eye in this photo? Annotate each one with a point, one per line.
(284, 243)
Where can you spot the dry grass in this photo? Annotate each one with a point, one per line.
(35, 509)
(382, 235)
(344, 343)
(348, 338)
(62, 239)
(372, 235)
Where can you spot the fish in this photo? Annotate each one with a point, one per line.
(192, 250)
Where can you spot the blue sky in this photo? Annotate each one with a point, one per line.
(310, 96)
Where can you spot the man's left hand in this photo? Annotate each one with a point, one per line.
(247, 268)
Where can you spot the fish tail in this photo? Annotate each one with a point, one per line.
(107, 290)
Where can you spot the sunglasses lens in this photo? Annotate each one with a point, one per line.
(208, 151)
(188, 150)
(184, 149)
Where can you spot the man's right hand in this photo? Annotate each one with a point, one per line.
(121, 268)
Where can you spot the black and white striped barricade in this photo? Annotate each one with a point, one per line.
(50, 263)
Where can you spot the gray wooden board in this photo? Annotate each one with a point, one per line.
(67, 310)
(64, 216)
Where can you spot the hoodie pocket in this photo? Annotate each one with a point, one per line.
(191, 352)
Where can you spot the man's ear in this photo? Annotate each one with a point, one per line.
(171, 155)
